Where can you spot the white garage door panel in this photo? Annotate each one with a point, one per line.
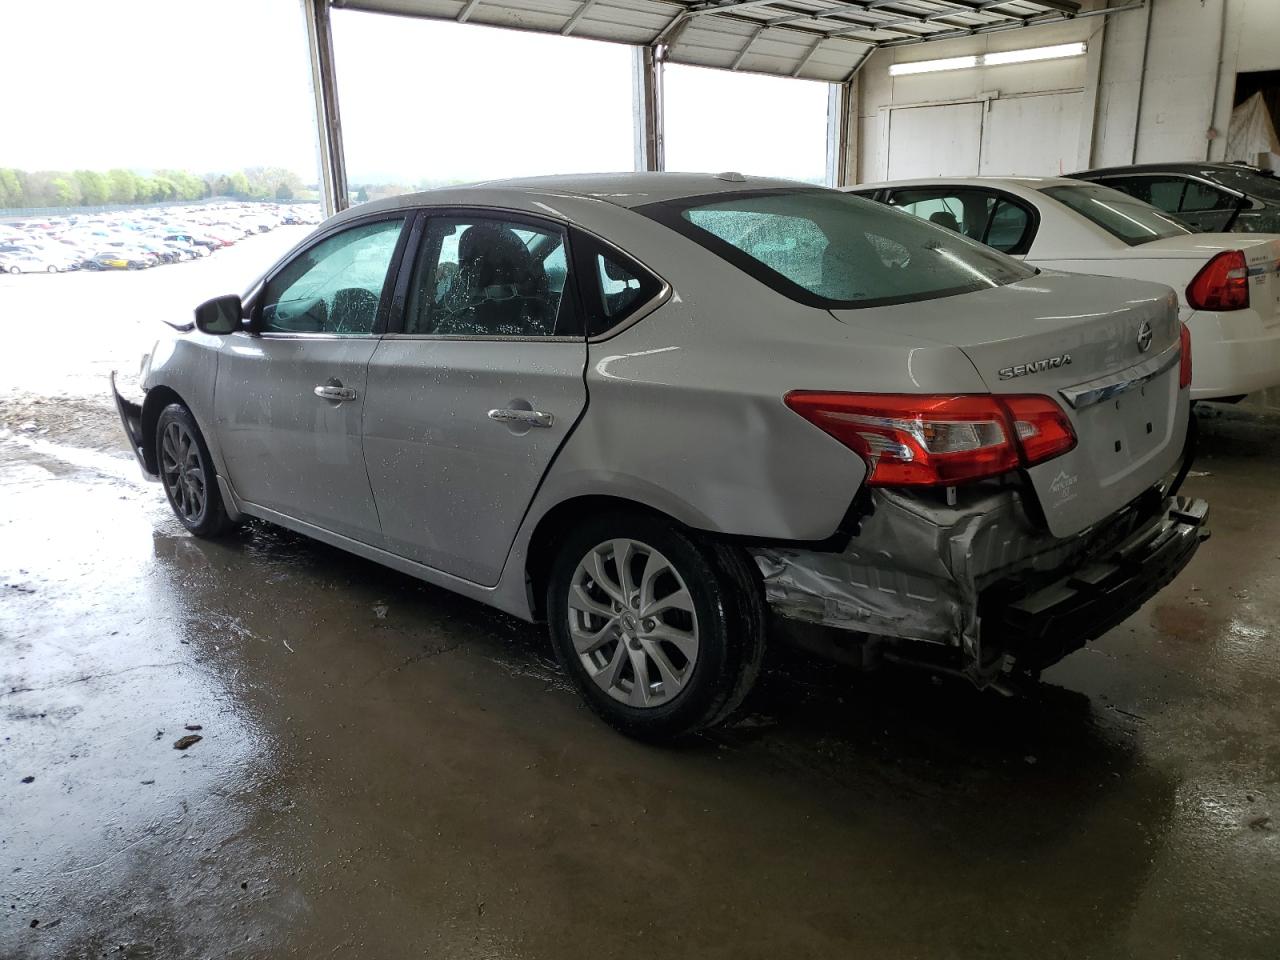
(941, 141)
(1032, 136)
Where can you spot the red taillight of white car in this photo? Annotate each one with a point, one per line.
(938, 440)
(1221, 284)
(1184, 369)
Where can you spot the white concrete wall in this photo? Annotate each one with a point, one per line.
(878, 91)
(1130, 110)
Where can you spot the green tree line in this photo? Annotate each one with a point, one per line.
(92, 188)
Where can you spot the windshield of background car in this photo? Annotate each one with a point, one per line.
(830, 249)
(1250, 182)
(1121, 215)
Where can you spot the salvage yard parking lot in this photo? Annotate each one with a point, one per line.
(389, 769)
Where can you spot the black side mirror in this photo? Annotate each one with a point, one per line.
(221, 315)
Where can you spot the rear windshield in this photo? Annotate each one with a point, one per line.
(830, 249)
(1264, 186)
(1124, 217)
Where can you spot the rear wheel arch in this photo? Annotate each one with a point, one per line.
(557, 522)
(552, 528)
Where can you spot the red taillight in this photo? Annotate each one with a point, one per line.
(1184, 371)
(924, 440)
(1221, 284)
(1042, 429)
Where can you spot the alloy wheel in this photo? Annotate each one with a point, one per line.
(632, 622)
(183, 471)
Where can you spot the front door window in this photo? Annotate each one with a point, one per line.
(334, 287)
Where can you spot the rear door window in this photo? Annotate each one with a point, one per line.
(490, 277)
(1164, 192)
(1207, 208)
(964, 211)
(979, 214)
(1009, 227)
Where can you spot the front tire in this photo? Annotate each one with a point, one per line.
(661, 631)
(187, 473)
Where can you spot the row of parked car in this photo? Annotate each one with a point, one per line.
(1203, 229)
(136, 240)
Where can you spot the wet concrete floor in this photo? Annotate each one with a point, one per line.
(390, 771)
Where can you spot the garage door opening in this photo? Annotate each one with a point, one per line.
(771, 126)
(427, 104)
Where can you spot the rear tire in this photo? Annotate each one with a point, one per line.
(667, 648)
(187, 473)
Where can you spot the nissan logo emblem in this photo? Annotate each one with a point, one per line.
(1144, 337)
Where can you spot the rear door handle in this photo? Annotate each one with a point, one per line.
(530, 418)
(335, 391)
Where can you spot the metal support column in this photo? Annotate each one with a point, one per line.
(647, 93)
(324, 84)
(838, 133)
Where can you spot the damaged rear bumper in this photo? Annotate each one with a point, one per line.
(980, 588)
(1041, 627)
(131, 420)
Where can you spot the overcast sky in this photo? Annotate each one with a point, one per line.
(148, 84)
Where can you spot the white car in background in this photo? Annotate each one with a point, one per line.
(33, 261)
(1227, 283)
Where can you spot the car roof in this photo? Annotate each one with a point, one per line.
(1027, 183)
(1180, 166)
(622, 189)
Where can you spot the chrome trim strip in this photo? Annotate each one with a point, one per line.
(1104, 388)
(481, 338)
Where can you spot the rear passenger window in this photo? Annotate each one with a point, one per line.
(1165, 193)
(615, 286)
(978, 214)
(1200, 196)
(963, 212)
(1007, 227)
(479, 277)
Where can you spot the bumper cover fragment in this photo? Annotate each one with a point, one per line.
(131, 420)
(1060, 617)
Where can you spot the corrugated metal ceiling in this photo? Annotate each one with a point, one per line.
(813, 39)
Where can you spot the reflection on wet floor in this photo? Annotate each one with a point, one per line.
(388, 770)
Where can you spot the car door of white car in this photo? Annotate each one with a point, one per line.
(474, 388)
(290, 395)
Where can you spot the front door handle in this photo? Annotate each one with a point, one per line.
(530, 418)
(335, 391)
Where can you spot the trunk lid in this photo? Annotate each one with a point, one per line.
(1075, 339)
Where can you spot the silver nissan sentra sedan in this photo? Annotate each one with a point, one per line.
(648, 409)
